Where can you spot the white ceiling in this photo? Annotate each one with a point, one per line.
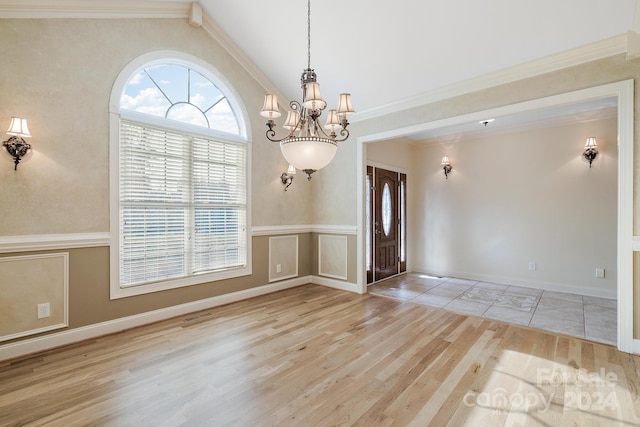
(391, 53)
(385, 52)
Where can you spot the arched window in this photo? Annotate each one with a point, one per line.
(181, 170)
(178, 92)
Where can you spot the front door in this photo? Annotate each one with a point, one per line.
(387, 227)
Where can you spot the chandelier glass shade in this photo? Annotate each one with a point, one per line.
(308, 145)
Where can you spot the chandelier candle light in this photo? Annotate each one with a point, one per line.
(308, 146)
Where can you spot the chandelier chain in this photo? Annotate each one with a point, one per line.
(309, 34)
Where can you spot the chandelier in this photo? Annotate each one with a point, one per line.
(309, 146)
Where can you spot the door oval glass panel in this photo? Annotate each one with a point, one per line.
(386, 209)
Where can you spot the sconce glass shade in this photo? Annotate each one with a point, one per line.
(308, 154)
(291, 170)
(591, 143)
(445, 161)
(270, 108)
(18, 127)
(313, 99)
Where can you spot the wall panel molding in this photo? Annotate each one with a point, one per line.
(332, 256)
(45, 242)
(283, 252)
(27, 281)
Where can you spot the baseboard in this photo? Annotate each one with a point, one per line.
(46, 342)
(336, 284)
(547, 286)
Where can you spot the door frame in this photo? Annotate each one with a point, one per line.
(401, 239)
(623, 91)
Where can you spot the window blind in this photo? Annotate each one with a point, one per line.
(182, 204)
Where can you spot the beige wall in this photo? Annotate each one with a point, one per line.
(396, 154)
(59, 74)
(607, 70)
(517, 198)
(513, 198)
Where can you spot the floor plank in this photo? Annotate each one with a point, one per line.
(313, 356)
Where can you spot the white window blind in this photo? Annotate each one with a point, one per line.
(182, 204)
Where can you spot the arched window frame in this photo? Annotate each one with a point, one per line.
(117, 115)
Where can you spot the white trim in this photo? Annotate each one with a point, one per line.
(21, 348)
(45, 242)
(335, 229)
(270, 230)
(65, 296)
(109, 9)
(346, 251)
(636, 243)
(209, 25)
(591, 52)
(195, 15)
(388, 167)
(624, 91)
(636, 346)
(297, 246)
(335, 284)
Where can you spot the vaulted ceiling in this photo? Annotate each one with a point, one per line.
(387, 52)
(390, 55)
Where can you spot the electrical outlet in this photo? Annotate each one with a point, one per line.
(600, 273)
(278, 268)
(532, 266)
(44, 310)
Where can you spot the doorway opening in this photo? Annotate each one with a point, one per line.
(623, 94)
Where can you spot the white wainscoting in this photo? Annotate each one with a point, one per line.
(332, 256)
(283, 257)
(27, 281)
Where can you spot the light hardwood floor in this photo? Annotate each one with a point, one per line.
(313, 356)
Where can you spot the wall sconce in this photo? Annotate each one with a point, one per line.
(590, 150)
(16, 145)
(446, 166)
(287, 177)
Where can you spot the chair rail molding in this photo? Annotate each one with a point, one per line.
(45, 242)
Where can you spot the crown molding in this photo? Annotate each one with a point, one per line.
(591, 52)
(212, 28)
(93, 9)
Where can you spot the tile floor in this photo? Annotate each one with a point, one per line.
(580, 316)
